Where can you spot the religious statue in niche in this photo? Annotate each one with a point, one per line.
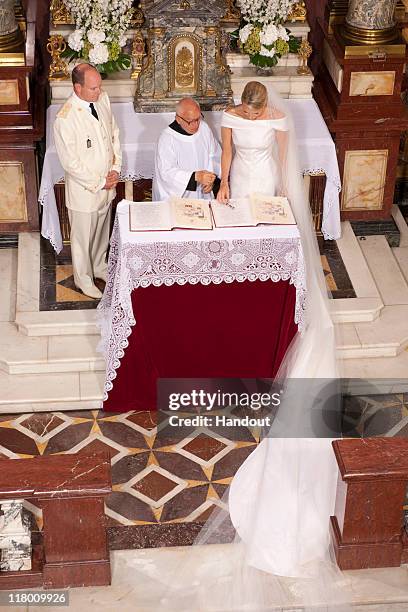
(185, 55)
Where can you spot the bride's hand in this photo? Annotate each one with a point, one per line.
(223, 193)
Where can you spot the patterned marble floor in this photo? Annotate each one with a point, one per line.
(165, 484)
(58, 291)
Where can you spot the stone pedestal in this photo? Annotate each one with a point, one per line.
(367, 529)
(358, 90)
(70, 489)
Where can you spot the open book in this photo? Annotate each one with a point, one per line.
(183, 213)
(180, 213)
(256, 210)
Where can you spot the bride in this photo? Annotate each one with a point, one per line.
(255, 128)
(281, 498)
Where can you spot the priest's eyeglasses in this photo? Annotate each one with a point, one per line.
(192, 121)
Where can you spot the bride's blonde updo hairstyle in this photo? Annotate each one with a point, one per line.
(255, 95)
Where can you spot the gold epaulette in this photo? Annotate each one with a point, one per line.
(64, 111)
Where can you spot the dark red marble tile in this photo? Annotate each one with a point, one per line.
(184, 503)
(122, 434)
(145, 419)
(128, 467)
(17, 442)
(41, 423)
(180, 466)
(228, 465)
(130, 507)
(154, 485)
(204, 447)
(68, 438)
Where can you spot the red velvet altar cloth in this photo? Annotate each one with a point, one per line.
(230, 330)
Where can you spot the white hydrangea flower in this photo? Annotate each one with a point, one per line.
(269, 34)
(122, 40)
(267, 52)
(75, 40)
(99, 54)
(245, 32)
(282, 33)
(95, 36)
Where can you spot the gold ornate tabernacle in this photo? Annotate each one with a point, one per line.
(186, 55)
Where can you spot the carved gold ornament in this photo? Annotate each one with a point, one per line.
(58, 68)
(138, 53)
(59, 13)
(185, 67)
(298, 12)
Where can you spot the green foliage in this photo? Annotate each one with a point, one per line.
(118, 61)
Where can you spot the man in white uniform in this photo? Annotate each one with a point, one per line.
(87, 142)
(188, 156)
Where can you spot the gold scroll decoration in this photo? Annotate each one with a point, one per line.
(58, 68)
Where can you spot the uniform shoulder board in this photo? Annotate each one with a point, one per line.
(64, 111)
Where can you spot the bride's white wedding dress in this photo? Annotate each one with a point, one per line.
(282, 496)
(253, 168)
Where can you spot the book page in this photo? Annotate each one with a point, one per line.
(144, 216)
(191, 214)
(271, 209)
(237, 213)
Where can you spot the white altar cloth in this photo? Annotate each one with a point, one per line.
(220, 255)
(139, 133)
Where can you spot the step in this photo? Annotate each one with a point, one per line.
(22, 354)
(57, 323)
(385, 270)
(367, 304)
(50, 392)
(386, 368)
(387, 336)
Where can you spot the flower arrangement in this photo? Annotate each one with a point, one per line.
(261, 34)
(99, 34)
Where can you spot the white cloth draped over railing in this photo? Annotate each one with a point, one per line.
(221, 255)
(140, 131)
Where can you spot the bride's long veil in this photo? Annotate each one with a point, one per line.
(270, 546)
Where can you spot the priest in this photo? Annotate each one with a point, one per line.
(187, 159)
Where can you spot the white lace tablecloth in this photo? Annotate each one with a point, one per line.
(222, 255)
(139, 134)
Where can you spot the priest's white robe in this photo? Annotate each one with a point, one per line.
(178, 156)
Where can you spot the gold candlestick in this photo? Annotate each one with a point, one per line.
(305, 51)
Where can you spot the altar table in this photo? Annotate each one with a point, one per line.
(224, 303)
(139, 133)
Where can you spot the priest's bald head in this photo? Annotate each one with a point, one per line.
(188, 115)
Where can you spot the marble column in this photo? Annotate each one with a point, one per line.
(371, 21)
(10, 34)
